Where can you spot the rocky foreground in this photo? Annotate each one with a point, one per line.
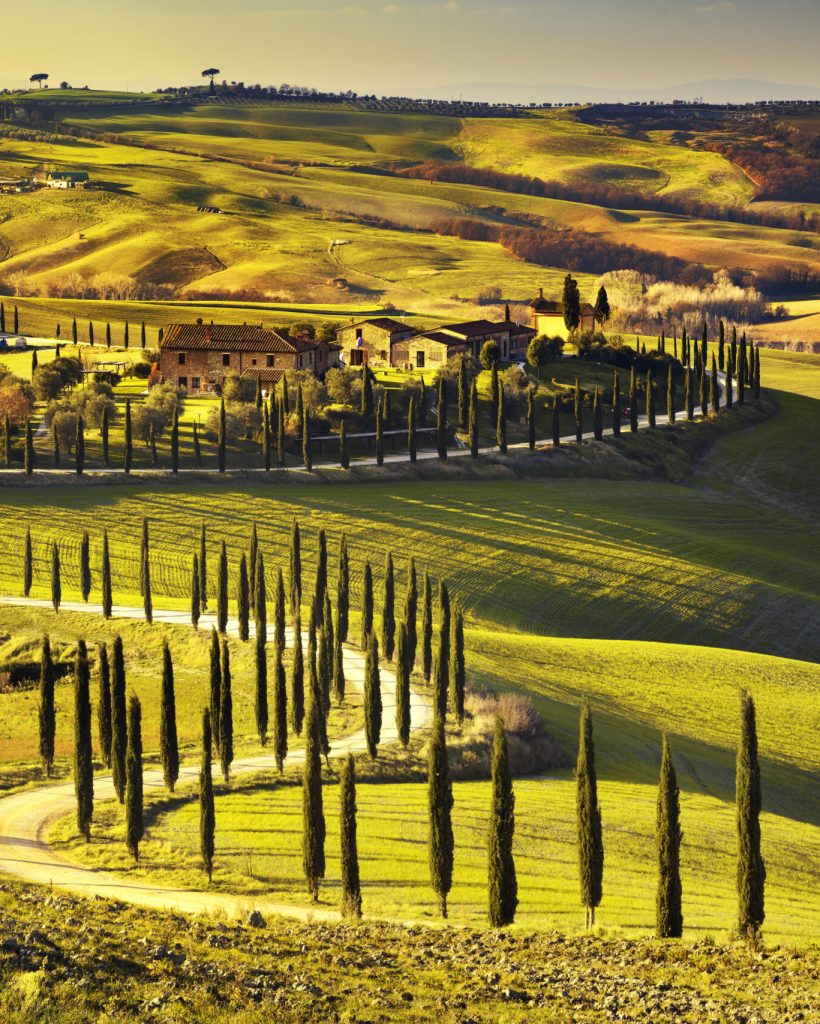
(66, 959)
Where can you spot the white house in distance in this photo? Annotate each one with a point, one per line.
(548, 317)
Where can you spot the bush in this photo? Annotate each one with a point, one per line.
(141, 370)
(515, 710)
(344, 386)
(51, 378)
(16, 399)
(243, 421)
(490, 353)
(239, 389)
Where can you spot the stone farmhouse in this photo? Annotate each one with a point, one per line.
(370, 342)
(548, 317)
(200, 356)
(433, 348)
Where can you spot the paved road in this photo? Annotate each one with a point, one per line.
(25, 818)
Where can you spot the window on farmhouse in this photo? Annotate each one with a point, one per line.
(183, 382)
(195, 383)
(226, 359)
(270, 360)
(181, 358)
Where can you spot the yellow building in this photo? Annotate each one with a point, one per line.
(548, 317)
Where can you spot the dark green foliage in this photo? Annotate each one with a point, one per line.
(221, 457)
(119, 725)
(444, 623)
(280, 710)
(366, 408)
(134, 825)
(107, 598)
(168, 745)
(411, 600)
(714, 393)
(104, 432)
(83, 766)
(203, 569)
(315, 694)
(338, 683)
(412, 441)
(403, 687)
(650, 399)
(494, 395)
(351, 886)
(427, 628)
(320, 588)
(670, 395)
(129, 437)
(588, 812)
(215, 687)
(313, 818)
(225, 713)
(441, 420)
(145, 574)
(380, 433)
(344, 450)
(457, 669)
(531, 418)
(343, 591)
(306, 457)
(28, 452)
(616, 405)
(597, 416)
(56, 586)
(279, 611)
(501, 425)
(729, 397)
(297, 680)
(502, 884)
(472, 427)
(572, 303)
(388, 609)
(266, 438)
(668, 835)
(633, 401)
(104, 704)
(207, 821)
(260, 702)
(751, 871)
(756, 381)
(47, 717)
(7, 439)
(55, 443)
(440, 804)
(578, 412)
(721, 345)
(85, 566)
(556, 422)
(27, 564)
(175, 443)
(689, 394)
(367, 605)
(704, 390)
(196, 446)
(602, 310)
(243, 610)
(196, 603)
(259, 590)
(280, 434)
(324, 666)
(295, 568)
(222, 590)
(372, 696)
(152, 445)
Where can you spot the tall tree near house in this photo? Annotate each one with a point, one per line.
(388, 609)
(531, 419)
(145, 574)
(403, 687)
(280, 710)
(203, 568)
(119, 724)
(47, 717)
(56, 586)
(441, 420)
(412, 438)
(79, 447)
(344, 448)
(28, 451)
(266, 438)
(27, 564)
(85, 566)
(125, 335)
(714, 391)
(440, 806)
(279, 612)
(196, 446)
(367, 605)
(427, 628)
(83, 763)
(473, 421)
(313, 818)
(168, 744)
(380, 433)
(351, 885)
(280, 433)
(129, 437)
(494, 395)
(721, 345)
(729, 397)
(597, 416)
(571, 302)
(206, 799)
(226, 713)
(501, 425)
(175, 443)
(502, 881)
(106, 598)
(689, 394)
(588, 812)
(104, 704)
(372, 696)
(243, 599)
(221, 442)
(306, 456)
(297, 680)
(741, 377)
(650, 399)
(196, 602)
(457, 669)
(295, 568)
(556, 422)
(215, 688)
(343, 591)
(74, 331)
(751, 870)
(668, 835)
(633, 401)
(108, 335)
(134, 822)
(577, 409)
(463, 392)
(222, 590)
(602, 310)
(411, 601)
(616, 405)
(104, 435)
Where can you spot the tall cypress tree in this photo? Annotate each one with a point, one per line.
(243, 599)
(590, 837)
(633, 401)
(28, 453)
(297, 680)
(196, 602)
(689, 396)
(203, 570)
(338, 683)
(175, 443)
(578, 412)
(106, 598)
(440, 804)
(104, 704)
(195, 445)
(501, 425)
(751, 871)
(556, 422)
(403, 687)
(226, 713)
(531, 418)
(494, 394)
(457, 671)
(650, 399)
(215, 687)
(313, 818)
(47, 715)
(412, 440)
(463, 392)
(280, 710)
(670, 395)
(206, 799)
(729, 374)
(411, 601)
(306, 456)
(597, 416)
(714, 393)
(372, 696)
(27, 563)
(279, 612)
(295, 568)
(7, 439)
(367, 604)
(320, 588)
(85, 566)
(221, 453)
(222, 590)
(704, 390)
(145, 570)
(344, 448)
(441, 420)
(427, 628)
(119, 725)
(668, 835)
(83, 765)
(756, 381)
(128, 453)
(502, 883)
(444, 624)
(266, 438)
(168, 745)
(343, 591)
(380, 432)
(473, 421)
(260, 597)
(351, 886)
(388, 609)
(280, 434)
(134, 824)
(56, 586)
(260, 703)
(104, 435)
(721, 344)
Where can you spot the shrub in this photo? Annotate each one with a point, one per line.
(239, 389)
(344, 386)
(16, 399)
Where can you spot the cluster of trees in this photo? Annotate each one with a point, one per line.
(782, 165)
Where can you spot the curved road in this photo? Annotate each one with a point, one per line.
(25, 818)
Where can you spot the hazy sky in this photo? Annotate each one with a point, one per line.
(408, 46)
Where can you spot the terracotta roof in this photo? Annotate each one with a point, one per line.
(474, 328)
(230, 338)
(450, 340)
(264, 374)
(516, 330)
(553, 307)
(382, 323)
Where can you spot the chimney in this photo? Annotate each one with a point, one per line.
(540, 293)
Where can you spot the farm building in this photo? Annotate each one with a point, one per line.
(433, 348)
(548, 317)
(370, 342)
(65, 179)
(200, 356)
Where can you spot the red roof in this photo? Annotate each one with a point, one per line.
(231, 338)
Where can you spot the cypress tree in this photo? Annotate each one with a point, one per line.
(28, 452)
(108, 335)
(145, 567)
(372, 696)
(721, 345)
(105, 579)
(104, 704)
(207, 820)
(501, 426)
(463, 388)
(342, 591)
(196, 446)
(440, 803)
(297, 680)
(215, 688)
(27, 563)
(380, 433)
(714, 393)
(650, 399)
(313, 834)
(203, 569)
(366, 408)
(751, 871)
(556, 422)
(196, 604)
(689, 395)
(729, 373)
(142, 335)
(502, 882)
(403, 686)
(83, 766)
(427, 628)
(411, 600)
(47, 720)
(175, 443)
(56, 587)
(367, 604)
(756, 382)
(668, 835)
(473, 421)
(280, 710)
(295, 568)
(129, 437)
(280, 434)
(578, 412)
(266, 439)
(412, 440)
(134, 826)
(704, 391)
(221, 453)
(741, 375)
(306, 457)
(74, 331)
(344, 449)
(85, 566)
(260, 703)
(316, 696)
(260, 596)
(670, 395)
(152, 445)
(243, 599)
(222, 592)
(326, 642)
(168, 745)
(226, 713)
(597, 416)
(119, 726)
(494, 394)
(55, 444)
(125, 335)
(531, 418)
(7, 439)
(633, 401)
(457, 671)
(444, 624)
(104, 432)
(616, 405)
(16, 321)
(351, 886)
(590, 837)
(388, 609)
(79, 447)
(441, 421)
(320, 588)
(279, 612)
(338, 666)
